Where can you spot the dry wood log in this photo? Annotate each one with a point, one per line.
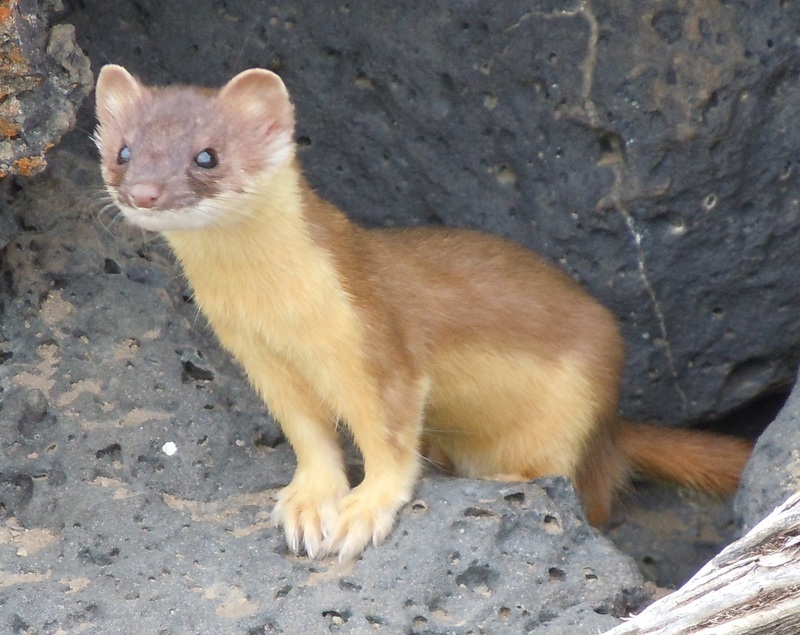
(751, 588)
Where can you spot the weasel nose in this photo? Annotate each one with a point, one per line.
(144, 194)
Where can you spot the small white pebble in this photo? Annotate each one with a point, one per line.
(169, 448)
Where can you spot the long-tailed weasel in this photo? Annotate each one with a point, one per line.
(464, 346)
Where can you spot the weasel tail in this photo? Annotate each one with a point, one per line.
(463, 347)
(700, 460)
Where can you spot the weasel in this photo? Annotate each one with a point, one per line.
(464, 347)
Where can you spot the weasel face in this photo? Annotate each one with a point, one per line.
(172, 158)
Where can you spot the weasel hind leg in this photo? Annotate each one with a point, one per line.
(603, 472)
(512, 418)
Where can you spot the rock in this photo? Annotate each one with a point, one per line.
(670, 531)
(773, 473)
(16, 491)
(466, 557)
(194, 367)
(45, 77)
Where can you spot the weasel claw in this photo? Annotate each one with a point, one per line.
(308, 517)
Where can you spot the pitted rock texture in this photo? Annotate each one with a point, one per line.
(481, 559)
(44, 77)
(650, 147)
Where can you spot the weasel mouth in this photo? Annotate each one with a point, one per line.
(160, 220)
(155, 219)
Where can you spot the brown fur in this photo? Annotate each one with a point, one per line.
(701, 460)
(466, 345)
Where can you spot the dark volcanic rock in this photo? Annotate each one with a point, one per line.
(773, 473)
(44, 76)
(649, 147)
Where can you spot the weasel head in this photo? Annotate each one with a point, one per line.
(177, 158)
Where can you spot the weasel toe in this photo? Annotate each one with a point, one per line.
(365, 515)
(308, 514)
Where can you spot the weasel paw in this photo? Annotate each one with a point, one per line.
(365, 514)
(308, 513)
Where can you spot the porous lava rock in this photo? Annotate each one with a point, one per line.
(44, 77)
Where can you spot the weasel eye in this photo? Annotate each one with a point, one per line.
(206, 159)
(124, 155)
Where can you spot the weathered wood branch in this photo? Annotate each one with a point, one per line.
(751, 588)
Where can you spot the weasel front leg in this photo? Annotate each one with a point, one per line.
(387, 430)
(307, 507)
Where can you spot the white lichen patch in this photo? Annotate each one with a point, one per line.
(233, 602)
(40, 377)
(91, 386)
(55, 310)
(26, 541)
(138, 416)
(14, 579)
(75, 584)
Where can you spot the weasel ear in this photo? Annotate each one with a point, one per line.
(259, 95)
(116, 89)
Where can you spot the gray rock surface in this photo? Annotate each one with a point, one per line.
(773, 473)
(44, 76)
(648, 146)
(103, 529)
